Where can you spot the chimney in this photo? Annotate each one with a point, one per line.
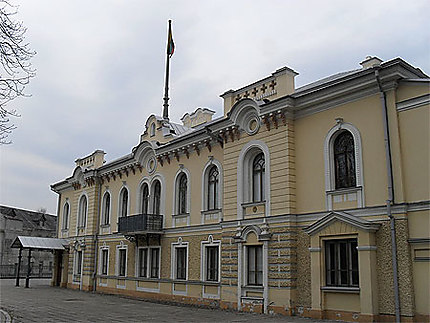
(371, 61)
(198, 117)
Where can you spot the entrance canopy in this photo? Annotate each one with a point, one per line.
(39, 243)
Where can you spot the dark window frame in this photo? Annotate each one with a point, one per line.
(182, 193)
(344, 160)
(145, 198)
(122, 262)
(255, 265)
(212, 263)
(104, 261)
(181, 263)
(106, 208)
(341, 263)
(213, 188)
(157, 197)
(258, 177)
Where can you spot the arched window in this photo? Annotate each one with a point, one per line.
(344, 160)
(182, 193)
(123, 203)
(258, 178)
(157, 197)
(145, 198)
(213, 188)
(66, 212)
(106, 209)
(82, 211)
(152, 133)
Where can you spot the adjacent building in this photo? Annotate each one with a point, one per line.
(18, 222)
(288, 203)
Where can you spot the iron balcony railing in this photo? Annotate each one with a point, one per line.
(140, 223)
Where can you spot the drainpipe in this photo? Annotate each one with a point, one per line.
(96, 251)
(390, 189)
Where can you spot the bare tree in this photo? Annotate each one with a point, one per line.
(16, 69)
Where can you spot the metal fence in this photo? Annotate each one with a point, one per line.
(36, 271)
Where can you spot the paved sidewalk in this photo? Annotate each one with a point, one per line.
(42, 303)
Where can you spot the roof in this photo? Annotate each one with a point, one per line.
(39, 243)
(326, 80)
(31, 220)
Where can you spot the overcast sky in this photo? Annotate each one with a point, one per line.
(101, 63)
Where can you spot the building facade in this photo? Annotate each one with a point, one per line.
(278, 206)
(17, 222)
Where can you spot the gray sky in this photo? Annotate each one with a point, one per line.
(101, 64)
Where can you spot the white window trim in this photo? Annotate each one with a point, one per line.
(329, 163)
(203, 263)
(75, 266)
(78, 213)
(174, 246)
(245, 165)
(149, 262)
(139, 199)
(119, 247)
(66, 224)
(205, 179)
(123, 187)
(102, 210)
(101, 260)
(176, 192)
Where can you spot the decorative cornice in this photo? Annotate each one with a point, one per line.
(413, 103)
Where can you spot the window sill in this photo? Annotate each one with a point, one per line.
(104, 225)
(345, 190)
(64, 230)
(248, 204)
(336, 289)
(253, 287)
(211, 211)
(181, 214)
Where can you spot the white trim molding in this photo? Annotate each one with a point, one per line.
(356, 192)
(216, 213)
(173, 260)
(244, 175)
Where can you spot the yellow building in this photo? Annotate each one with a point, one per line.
(289, 203)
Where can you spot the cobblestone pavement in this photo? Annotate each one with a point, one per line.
(42, 303)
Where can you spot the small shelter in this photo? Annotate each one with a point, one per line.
(35, 243)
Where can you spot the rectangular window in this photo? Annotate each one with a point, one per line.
(181, 263)
(122, 262)
(341, 260)
(79, 263)
(143, 262)
(212, 263)
(255, 265)
(155, 259)
(104, 259)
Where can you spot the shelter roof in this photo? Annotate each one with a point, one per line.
(39, 243)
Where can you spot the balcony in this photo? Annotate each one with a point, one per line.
(140, 224)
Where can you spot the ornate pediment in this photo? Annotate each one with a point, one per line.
(343, 217)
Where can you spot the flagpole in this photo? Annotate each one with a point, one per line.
(166, 86)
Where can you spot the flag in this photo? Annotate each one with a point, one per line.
(170, 43)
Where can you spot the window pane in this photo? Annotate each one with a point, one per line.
(182, 198)
(143, 262)
(122, 262)
(181, 263)
(145, 198)
(155, 252)
(255, 265)
(341, 262)
(157, 196)
(212, 263)
(106, 209)
(124, 203)
(104, 262)
(344, 160)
